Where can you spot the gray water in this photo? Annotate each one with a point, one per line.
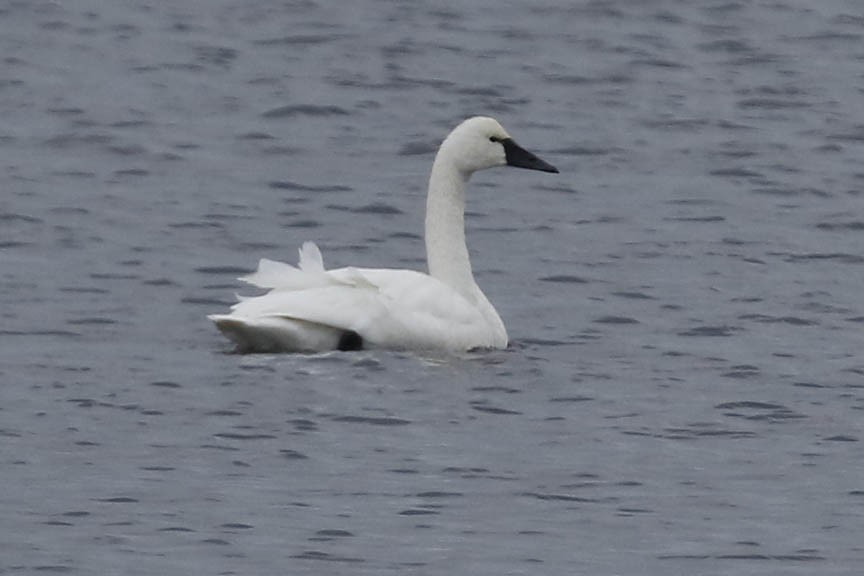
(684, 389)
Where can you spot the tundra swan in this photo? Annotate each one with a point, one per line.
(311, 309)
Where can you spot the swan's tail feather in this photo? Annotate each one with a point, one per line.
(272, 274)
(311, 260)
(308, 274)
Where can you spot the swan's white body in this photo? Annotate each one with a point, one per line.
(311, 309)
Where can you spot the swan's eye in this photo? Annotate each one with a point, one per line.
(494, 139)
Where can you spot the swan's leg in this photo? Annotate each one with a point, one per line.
(349, 341)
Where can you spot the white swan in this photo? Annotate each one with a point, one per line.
(310, 309)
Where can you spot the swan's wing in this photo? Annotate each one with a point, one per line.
(423, 312)
(307, 309)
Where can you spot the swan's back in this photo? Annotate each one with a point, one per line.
(310, 309)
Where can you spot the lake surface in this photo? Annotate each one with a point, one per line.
(684, 390)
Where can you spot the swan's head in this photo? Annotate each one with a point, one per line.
(481, 142)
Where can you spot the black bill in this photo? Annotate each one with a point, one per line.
(521, 158)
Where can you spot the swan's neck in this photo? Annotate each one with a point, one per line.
(446, 252)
